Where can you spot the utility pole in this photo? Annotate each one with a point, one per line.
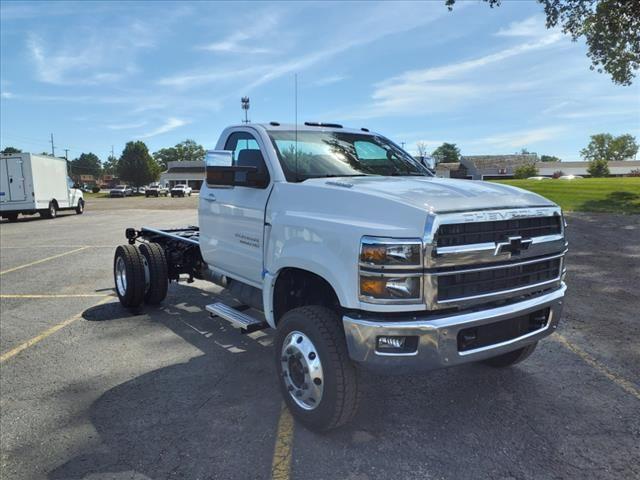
(66, 154)
(402, 145)
(112, 155)
(53, 148)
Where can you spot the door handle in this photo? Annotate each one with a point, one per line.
(211, 197)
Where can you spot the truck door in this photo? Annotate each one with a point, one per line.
(232, 218)
(15, 178)
(74, 193)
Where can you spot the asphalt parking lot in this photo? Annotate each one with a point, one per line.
(90, 391)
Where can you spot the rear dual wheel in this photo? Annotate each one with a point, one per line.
(140, 274)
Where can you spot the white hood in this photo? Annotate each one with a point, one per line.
(438, 194)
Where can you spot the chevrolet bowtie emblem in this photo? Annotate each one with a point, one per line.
(513, 245)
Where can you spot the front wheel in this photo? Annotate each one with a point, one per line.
(511, 358)
(317, 379)
(80, 207)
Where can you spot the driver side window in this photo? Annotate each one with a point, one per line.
(239, 141)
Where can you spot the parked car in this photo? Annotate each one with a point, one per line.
(156, 190)
(357, 257)
(570, 177)
(120, 191)
(141, 190)
(181, 190)
(31, 184)
(538, 178)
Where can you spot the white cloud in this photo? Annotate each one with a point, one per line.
(170, 124)
(530, 27)
(444, 87)
(126, 126)
(194, 79)
(330, 80)
(244, 41)
(95, 58)
(380, 23)
(7, 95)
(521, 138)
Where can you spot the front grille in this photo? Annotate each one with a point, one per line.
(485, 282)
(451, 235)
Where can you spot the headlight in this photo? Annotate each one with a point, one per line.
(390, 287)
(390, 270)
(380, 252)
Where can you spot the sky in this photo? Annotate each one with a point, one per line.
(491, 80)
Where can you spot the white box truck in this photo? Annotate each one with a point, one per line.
(31, 184)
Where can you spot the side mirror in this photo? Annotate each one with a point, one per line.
(221, 172)
(429, 162)
(236, 177)
(76, 185)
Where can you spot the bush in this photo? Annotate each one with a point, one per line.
(526, 171)
(95, 189)
(557, 174)
(635, 172)
(598, 168)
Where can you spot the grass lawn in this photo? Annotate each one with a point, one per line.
(613, 195)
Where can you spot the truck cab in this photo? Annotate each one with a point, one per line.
(359, 257)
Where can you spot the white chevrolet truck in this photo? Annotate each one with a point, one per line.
(358, 257)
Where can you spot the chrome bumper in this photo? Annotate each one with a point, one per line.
(438, 335)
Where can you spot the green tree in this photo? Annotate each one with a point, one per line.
(110, 167)
(10, 150)
(446, 153)
(136, 166)
(86, 164)
(186, 151)
(549, 158)
(609, 27)
(525, 171)
(604, 146)
(598, 168)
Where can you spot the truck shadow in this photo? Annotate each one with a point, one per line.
(216, 415)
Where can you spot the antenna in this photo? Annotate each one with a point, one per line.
(295, 83)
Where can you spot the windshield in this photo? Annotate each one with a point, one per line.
(340, 154)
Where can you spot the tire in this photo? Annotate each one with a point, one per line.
(511, 358)
(80, 207)
(155, 261)
(12, 217)
(128, 266)
(51, 212)
(300, 333)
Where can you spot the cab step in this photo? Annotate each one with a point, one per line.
(245, 322)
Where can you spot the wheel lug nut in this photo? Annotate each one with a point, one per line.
(312, 356)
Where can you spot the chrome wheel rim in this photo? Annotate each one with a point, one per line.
(121, 277)
(302, 370)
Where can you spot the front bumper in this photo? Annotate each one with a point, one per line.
(438, 344)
